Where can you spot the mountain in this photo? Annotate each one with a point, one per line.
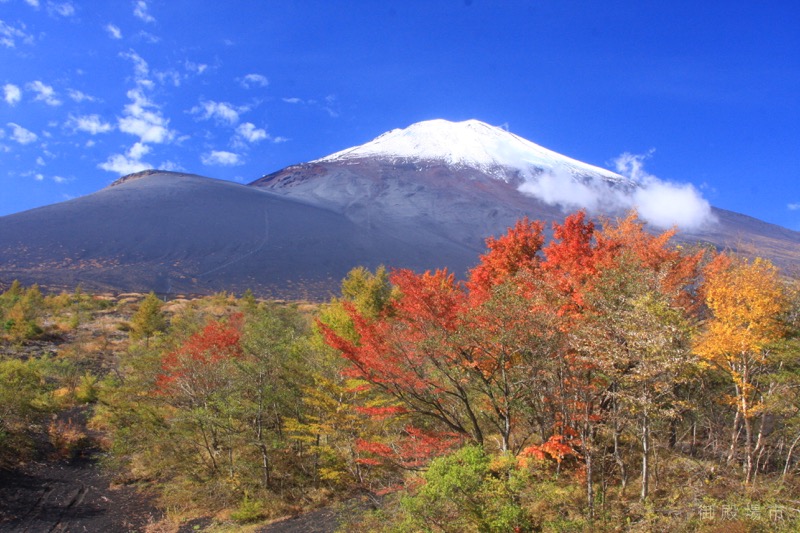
(467, 180)
(181, 233)
(422, 197)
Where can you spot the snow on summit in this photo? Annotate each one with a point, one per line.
(471, 143)
(549, 176)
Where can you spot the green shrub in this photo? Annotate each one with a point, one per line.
(468, 491)
(248, 511)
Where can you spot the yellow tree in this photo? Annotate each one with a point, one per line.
(746, 302)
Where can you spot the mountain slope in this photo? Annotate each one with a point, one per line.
(468, 180)
(178, 233)
(422, 198)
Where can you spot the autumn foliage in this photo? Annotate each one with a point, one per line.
(193, 366)
(544, 349)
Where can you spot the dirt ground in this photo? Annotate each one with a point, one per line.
(78, 496)
(74, 496)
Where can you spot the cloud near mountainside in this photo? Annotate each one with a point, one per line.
(660, 203)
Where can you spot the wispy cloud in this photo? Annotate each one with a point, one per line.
(140, 11)
(793, 207)
(113, 31)
(33, 3)
(219, 111)
(9, 35)
(195, 68)
(171, 166)
(220, 158)
(149, 37)
(21, 135)
(254, 80)
(78, 96)
(331, 106)
(62, 9)
(141, 70)
(293, 100)
(44, 93)
(661, 203)
(11, 94)
(168, 76)
(92, 124)
(141, 117)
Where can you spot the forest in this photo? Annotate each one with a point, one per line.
(584, 377)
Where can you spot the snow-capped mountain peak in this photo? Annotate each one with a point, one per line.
(470, 143)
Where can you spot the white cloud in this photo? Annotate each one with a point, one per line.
(61, 179)
(221, 158)
(44, 93)
(254, 80)
(219, 111)
(38, 177)
(250, 133)
(793, 207)
(196, 68)
(141, 12)
(141, 71)
(129, 162)
(92, 124)
(632, 165)
(114, 31)
(33, 3)
(21, 135)
(171, 166)
(78, 96)
(138, 150)
(143, 119)
(40, 161)
(9, 35)
(12, 94)
(666, 204)
(559, 188)
(168, 76)
(149, 37)
(293, 100)
(65, 9)
(660, 203)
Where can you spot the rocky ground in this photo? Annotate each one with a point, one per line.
(70, 495)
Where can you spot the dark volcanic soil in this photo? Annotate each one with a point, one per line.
(70, 496)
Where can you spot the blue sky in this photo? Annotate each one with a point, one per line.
(239, 89)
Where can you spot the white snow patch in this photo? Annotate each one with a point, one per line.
(470, 143)
(549, 176)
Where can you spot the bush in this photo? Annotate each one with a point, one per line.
(248, 511)
(468, 491)
(67, 438)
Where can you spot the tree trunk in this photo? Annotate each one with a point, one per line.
(748, 436)
(623, 472)
(734, 434)
(789, 456)
(748, 427)
(645, 456)
(589, 486)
